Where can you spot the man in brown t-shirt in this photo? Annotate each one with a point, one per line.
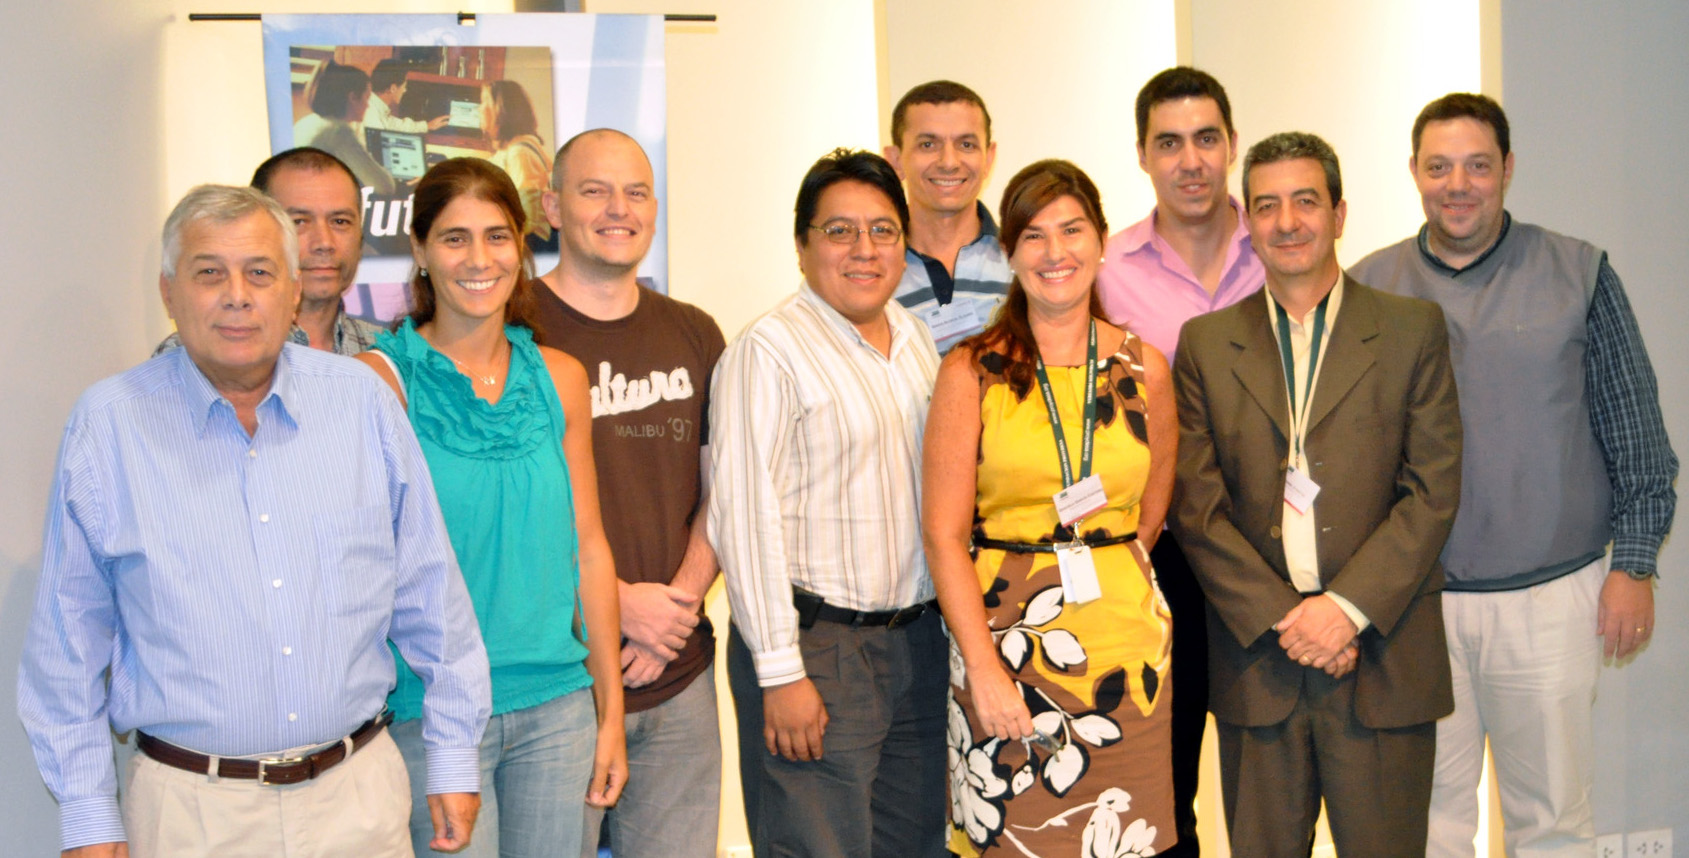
(648, 358)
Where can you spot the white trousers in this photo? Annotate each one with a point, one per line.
(1525, 664)
(359, 808)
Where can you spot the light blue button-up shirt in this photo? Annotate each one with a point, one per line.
(240, 590)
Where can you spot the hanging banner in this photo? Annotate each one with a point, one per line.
(391, 95)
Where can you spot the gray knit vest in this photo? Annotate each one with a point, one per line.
(1534, 494)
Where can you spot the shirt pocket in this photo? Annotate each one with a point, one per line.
(356, 560)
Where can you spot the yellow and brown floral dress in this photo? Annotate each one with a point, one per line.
(1095, 676)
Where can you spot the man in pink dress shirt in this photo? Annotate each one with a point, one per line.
(1190, 256)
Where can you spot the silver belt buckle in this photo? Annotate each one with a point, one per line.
(264, 764)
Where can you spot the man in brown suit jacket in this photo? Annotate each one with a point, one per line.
(1313, 513)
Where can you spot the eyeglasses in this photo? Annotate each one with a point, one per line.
(839, 232)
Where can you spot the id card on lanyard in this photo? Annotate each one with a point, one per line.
(1081, 497)
(1299, 488)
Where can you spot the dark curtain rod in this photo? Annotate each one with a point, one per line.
(462, 17)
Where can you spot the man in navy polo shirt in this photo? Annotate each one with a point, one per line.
(956, 273)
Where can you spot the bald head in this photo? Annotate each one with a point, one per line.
(606, 136)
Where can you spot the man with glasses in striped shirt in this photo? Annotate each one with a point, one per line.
(836, 658)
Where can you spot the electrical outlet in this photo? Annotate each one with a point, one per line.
(1648, 844)
(1609, 846)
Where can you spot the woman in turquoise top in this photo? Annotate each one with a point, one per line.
(506, 427)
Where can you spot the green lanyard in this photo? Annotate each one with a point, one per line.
(1299, 415)
(1090, 423)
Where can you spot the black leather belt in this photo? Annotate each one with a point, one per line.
(813, 608)
(275, 771)
(1049, 547)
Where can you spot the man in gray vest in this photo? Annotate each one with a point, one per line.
(1566, 452)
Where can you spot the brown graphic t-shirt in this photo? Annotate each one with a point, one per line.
(650, 378)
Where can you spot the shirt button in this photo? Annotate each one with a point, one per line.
(1275, 532)
(293, 716)
(287, 650)
(264, 518)
(276, 583)
(252, 454)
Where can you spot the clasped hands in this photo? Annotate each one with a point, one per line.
(656, 620)
(1317, 633)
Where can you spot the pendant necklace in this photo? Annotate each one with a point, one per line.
(488, 380)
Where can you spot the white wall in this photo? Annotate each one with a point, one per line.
(1598, 100)
(1355, 74)
(1075, 103)
(81, 170)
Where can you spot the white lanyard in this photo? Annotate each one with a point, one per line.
(1299, 410)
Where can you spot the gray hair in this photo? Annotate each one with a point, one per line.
(226, 204)
(1291, 146)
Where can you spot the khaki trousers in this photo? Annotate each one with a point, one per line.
(1525, 665)
(360, 807)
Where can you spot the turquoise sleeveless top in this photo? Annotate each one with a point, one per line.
(504, 491)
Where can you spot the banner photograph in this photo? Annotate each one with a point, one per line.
(392, 95)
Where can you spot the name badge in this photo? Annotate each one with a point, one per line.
(1079, 582)
(948, 321)
(1080, 499)
(1299, 491)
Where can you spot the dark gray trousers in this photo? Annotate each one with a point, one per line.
(878, 790)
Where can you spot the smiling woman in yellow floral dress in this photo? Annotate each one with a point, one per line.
(1059, 726)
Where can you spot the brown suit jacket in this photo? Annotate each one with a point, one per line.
(1384, 446)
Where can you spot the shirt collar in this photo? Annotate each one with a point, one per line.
(846, 329)
(987, 226)
(1142, 234)
(987, 235)
(1333, 302)
(281, 384)
(203, 397)
(1440, 265)
(339, 330)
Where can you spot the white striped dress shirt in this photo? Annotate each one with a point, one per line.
(239, 592)
(816, 456)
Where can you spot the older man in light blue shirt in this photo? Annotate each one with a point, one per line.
(236, 529)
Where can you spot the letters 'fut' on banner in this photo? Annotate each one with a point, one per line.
(393, 94)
